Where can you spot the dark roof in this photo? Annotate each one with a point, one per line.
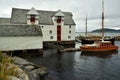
(45, 17)
(20, 30)
(4, 20)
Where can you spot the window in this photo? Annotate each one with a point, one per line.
(32, 19)
(59, 19)
(50, 31)
(69, 32)
(51, 37)
(70, 26)
(69, 37)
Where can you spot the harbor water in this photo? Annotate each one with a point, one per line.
(80, 66)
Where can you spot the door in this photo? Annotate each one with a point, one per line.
(58, 33)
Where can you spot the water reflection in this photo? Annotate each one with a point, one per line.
(107, 54)
(80, 65)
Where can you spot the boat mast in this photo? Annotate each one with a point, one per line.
(102, 19)
(86, 26)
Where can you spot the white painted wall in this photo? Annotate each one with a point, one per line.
(65, 30)
(20, 43)
(65, 33)
(31, 23)
(46, 32)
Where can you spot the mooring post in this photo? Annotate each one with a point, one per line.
(40, 52)
(24, 51)
(57, 48)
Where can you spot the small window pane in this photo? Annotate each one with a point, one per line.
(69, 32)
(69, 37)
(50, 32)
(51, 37)
(32, 18)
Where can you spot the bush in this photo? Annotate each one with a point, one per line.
(4, 63)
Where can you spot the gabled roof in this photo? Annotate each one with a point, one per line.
(20, 30)
(4, 20)
(59, 13)
(33, 11)
(45, 17)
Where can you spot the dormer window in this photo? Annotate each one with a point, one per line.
(59, 16)
(59, 19)
(32, 19)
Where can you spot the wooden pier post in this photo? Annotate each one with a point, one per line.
(40, 52)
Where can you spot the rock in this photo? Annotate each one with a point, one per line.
(29, 67)
(20, 74)
(23, 76)
(20, 61)
(34, 72)
(13, 78)
(13, 66)
(35, 76)
(24, 70)
(40, 71)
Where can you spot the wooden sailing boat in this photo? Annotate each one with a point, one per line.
(86, 40)
(99, 45)
(89, 41)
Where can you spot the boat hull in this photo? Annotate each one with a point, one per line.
(96, 49)
(85, 41)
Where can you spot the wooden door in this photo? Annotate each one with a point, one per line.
(58, 33)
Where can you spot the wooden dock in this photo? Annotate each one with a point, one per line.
(69, 50)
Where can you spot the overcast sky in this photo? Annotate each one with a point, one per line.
(79, 8)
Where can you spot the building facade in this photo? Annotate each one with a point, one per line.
(55, 25)
(42, 26)
(20, 37)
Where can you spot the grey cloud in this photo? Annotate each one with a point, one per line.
(79, 8)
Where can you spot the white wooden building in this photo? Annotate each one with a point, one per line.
(20, 37)
(55, 25)
(29, 28)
